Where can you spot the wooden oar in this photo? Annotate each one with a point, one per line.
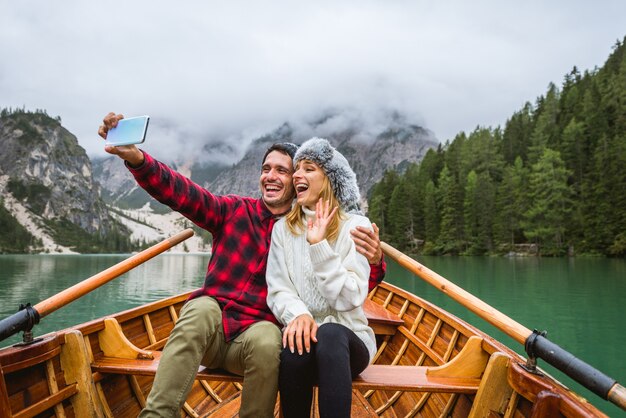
(535, 343)
(26, 318)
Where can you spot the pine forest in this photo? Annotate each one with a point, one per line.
(551, 182)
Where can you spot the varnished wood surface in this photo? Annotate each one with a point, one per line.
(409, 378)
(412, 378)
(380, 319)
(419, 338)
(512, 328)
(19, 357)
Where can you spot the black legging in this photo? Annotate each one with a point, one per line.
(337, 357)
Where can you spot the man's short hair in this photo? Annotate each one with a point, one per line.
(285, 147)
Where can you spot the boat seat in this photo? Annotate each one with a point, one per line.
(405, 378)
(380, 319)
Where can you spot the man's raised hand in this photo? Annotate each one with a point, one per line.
(128, 153)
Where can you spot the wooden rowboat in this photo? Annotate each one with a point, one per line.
(429, 363)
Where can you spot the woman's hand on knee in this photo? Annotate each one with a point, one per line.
(299, 333)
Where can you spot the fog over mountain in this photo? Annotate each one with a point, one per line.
(372, 142)
(231, 72)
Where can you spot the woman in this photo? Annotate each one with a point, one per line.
(317, 283)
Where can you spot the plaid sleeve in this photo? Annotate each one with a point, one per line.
(377, 273)
(183, 195)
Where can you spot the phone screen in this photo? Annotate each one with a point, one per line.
(128, 131)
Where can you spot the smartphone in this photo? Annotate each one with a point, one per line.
(128, 131)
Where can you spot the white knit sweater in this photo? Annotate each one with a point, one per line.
(327, 281)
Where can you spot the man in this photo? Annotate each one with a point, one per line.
(226, 323)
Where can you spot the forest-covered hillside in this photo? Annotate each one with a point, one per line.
(552, 181)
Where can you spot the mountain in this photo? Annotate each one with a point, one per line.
(54, 199)
(47, 188)
(393, 147)
(119, 188)
(370, 155)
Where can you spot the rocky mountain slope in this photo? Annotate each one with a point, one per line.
(50, 202)
(54, 195)
(46, 180)
(369, 156)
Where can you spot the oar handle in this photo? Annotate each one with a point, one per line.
(538, 346)
(512, 328)
(70, 294)
(617, 395)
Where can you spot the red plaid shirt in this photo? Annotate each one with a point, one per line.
(242, 231)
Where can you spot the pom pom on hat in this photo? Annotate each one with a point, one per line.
(342, 178)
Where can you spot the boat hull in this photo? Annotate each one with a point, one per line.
(429, 363)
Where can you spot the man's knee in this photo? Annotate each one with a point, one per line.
(199, 317)
(263, 344)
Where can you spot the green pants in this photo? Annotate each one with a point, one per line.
(198, 338)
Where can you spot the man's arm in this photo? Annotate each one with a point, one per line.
(168, 186)
(367, 242)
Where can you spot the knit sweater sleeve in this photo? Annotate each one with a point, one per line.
(342, 272)
(282, 296)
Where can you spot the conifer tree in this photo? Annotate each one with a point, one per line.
(379, 203)
(511, 203)
(449, 226)
(516, 135)
(545, 132)
(550, 203)
(401, 215)
(431, 215)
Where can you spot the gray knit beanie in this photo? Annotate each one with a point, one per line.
(337, 169)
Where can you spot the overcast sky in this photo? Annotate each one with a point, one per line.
(205, 70)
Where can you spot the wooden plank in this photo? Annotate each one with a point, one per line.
(529, 385)
(511, 408)
(470, 362)
(361, 408)
(5, 409)
(53, 387)
(47, 403)
(148, 367)
(190, 411)
(412, 378)
(96, 325)
(137, 391)
(18, 358)
(75, 358)
(547, 405)
(115, 344)
(149, 329)
(494, 392)
(381, 320)
(228, 408)
(419, 344)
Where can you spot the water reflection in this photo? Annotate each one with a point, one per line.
(33, 278)
(580, 302)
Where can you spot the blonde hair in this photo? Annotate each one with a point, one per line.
(295, 218)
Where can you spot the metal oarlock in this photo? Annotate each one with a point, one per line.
(531, 363)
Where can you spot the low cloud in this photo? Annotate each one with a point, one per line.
(206, 72)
